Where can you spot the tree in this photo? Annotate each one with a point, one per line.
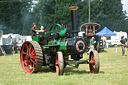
(17, 16)
(12, 15)
(54, 11)
(27, 16)
(108, 13)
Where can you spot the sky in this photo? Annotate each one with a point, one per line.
(125, 5)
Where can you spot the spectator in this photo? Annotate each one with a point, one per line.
(15, 45)
(122, 41)
(9, 39)
(19, 43)
(10, 36)
(92, 42)
(103, 38)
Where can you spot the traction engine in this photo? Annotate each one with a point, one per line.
(57, 48)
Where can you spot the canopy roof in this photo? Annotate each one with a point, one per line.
(106, 32)
(90, 24)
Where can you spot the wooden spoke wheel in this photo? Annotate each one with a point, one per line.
(31, 57)
(94, 62)
(59, 63)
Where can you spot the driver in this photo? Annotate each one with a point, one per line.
(33, 31)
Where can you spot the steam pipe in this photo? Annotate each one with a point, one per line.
(74, 20)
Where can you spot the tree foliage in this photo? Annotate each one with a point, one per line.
(12, 15)
(105, 12)
(18, 15)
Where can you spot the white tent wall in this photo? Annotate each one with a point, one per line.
(7, 41)
(115, 40)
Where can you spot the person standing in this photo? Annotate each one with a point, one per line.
(19, 44)
(15, 45)
(10, 36)
(33, 30)
(122, 41)
(92, 42)
(42, 28)
(103, 38)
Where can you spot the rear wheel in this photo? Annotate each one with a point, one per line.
(31, 57)
(94, 62)
(59, 63)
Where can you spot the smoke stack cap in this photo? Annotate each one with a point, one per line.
(73, 8)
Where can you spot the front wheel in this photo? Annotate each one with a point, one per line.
(59, 63)
(94, 62)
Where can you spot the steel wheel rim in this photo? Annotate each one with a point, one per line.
(28, 57)
(92, 63)
(57, 65)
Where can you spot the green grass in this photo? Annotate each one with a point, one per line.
(113, 71)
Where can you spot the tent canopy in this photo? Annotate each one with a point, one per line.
(106, 32)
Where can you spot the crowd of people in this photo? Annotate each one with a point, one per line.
(123, 41)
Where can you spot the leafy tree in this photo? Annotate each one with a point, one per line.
(54, 11)
(27, 16)
(12, 15)
(108, 13)
(17, 16)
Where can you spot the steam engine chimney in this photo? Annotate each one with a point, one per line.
(74, 20)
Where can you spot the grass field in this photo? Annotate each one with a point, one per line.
(113, 71)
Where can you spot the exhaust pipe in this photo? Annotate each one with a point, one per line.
(74, 20)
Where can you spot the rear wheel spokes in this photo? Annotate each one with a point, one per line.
(32, 53)
(32, 57)
(30, 61)
(25, 63)
(29, 47)
(31, 66)
(24, 53)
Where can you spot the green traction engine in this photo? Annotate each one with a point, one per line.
(57, 48)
